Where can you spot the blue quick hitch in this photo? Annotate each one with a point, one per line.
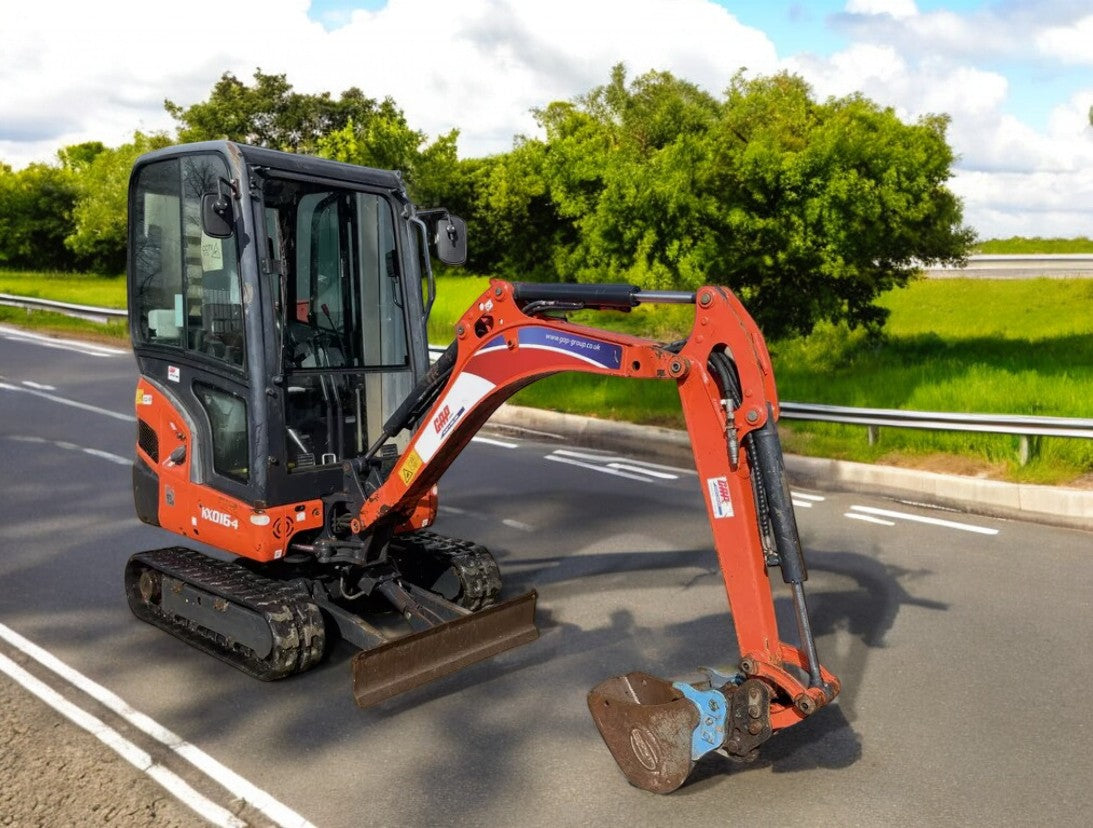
(713, 712)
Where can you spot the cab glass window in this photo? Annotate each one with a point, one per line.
(184, 283)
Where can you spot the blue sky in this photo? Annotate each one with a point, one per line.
(1014, 75)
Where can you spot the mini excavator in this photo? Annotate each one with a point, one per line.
(289, 417)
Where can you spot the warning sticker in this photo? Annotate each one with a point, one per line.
(720, 499)
(410, 467)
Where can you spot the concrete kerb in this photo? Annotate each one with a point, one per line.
(1056, 505)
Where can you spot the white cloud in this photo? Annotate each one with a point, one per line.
(99, 72)
(78, 72)
(1068, 43)
(894, 8)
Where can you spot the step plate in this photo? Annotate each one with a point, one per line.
(416, 659)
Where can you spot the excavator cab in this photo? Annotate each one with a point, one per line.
(291, 299)
(289, 417)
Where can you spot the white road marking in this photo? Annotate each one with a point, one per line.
(512, 523)
(117, 415)
(803, 496)
(64, 444)
(593, 467)
(611, 458)
(949, 524)
(39, 386)
(643, 470)
(869, 519)
(236, 785)
(489, 441)
(87, 348)
(802, 504)
(132, 754)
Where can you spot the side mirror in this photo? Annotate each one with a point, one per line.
(451, 240)
(216, 214)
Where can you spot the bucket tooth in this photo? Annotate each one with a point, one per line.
(413, 660)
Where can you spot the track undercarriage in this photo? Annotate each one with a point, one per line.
(428, 597)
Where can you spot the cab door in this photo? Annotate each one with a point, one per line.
(189, 337)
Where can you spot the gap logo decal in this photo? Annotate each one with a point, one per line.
(589, 350)
(720, 499)
(466, 392)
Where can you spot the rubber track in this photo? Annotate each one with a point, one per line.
(478, 573)
(294, 621)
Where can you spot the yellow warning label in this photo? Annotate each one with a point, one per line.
(410, 467)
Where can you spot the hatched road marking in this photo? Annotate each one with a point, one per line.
(236, 785)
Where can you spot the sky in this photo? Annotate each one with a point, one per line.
(1015, 77)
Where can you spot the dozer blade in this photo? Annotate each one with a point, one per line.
(413, 660)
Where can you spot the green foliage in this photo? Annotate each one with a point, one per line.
(1034, 245)
(98, 236)
(36, 206)
(809, 210)
(385, 141)
(269, 114)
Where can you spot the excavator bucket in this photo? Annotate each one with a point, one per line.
(416, 659)
(646, 723)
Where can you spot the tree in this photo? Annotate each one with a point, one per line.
(269, 114)
(36, 206)
(384, 140)
(808, 210)
(98, 233)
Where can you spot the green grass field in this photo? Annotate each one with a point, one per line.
(1040, 246)
(979, 346)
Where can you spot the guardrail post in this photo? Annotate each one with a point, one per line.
(1027, 448)
(872, 432)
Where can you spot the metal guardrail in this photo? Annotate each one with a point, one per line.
(874, 419)
(1024, 427)
(1018, 266)
(82, 311)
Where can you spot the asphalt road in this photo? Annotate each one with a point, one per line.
(962, 644)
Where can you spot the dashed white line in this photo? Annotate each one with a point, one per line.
(67, 446)
(949, 524)
(236, 785)
(39, 386)
(4, 386)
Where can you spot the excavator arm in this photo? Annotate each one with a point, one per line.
(511, 337)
